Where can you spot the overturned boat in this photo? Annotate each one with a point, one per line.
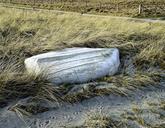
(75, 65)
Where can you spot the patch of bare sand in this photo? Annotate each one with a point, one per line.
(76, 114)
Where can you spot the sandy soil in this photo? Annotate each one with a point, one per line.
(75, 114)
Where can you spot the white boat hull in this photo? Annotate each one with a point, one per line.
(75, 65)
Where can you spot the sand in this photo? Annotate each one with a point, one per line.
(76, 114)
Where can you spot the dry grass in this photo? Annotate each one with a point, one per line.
(96, 119)
(153, 54)
(101, 121)
(29, 33)
(16, 84)
(151, 8)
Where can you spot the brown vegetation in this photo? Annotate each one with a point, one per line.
(134, 8)
(22, 35)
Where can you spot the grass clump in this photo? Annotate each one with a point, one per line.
(98, 120)
(102, 121)
(153, 54)
(16, 84)
(135, 81)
